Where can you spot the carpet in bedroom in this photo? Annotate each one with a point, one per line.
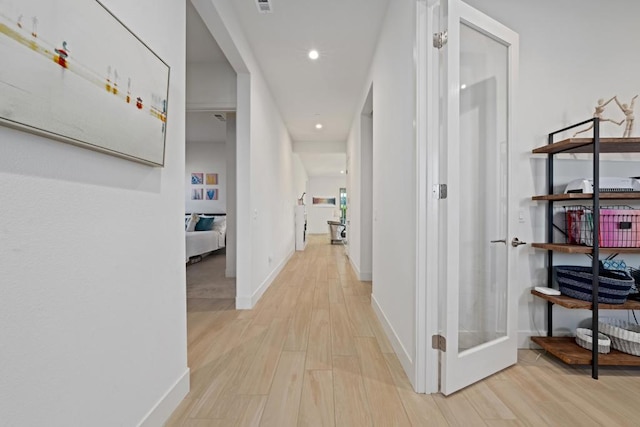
(205, 279)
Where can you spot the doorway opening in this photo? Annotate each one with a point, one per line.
(210, 169)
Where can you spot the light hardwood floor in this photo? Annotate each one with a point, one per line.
(312, 353)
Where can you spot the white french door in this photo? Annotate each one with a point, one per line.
(478, 67)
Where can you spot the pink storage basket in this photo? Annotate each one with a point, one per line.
(619, 228)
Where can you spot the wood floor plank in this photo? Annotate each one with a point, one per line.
(378, 331)
(319, 349)
(384, 401)
(341, 331)
(316, 404)
(321, 296)
(260, 373)
(421, 408)
(288, 301)
(457, 410)
(283, 402)
(486, 403)
(252, 413)
(357, 309)
(298, 333)
(517, 401)
(181, 413)
(351, 403)
(563, 414)
(207, 423)
(335, 292)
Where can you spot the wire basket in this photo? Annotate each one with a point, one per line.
(619, 226)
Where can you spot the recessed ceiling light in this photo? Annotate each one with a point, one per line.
(341, 171)
(313, 54)
(463, 86)
(318, 125)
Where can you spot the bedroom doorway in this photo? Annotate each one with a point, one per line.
(210, 170)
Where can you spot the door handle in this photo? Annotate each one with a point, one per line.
(500, 241)
(517, 242)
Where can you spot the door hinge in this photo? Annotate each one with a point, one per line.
(440, 39)
(439, 191)
(438, 342)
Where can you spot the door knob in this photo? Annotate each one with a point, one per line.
(517, 242)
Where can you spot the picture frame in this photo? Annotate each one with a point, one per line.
(196, 194)
(211, 193)
(197, 178)
(323, 201)
(212, 179)
(72, 71)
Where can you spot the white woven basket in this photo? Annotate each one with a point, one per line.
(624, 336)
(584, 338)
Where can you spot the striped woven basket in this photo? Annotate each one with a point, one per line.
(576, 282)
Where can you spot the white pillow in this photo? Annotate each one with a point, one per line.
(220, 225)
(191, 224)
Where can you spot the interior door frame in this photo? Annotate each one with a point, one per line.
(427, 369)
(428, 82)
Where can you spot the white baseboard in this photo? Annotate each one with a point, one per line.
(365, 276)
(361, 275)
(168, 403)
(403, 355)
(248, 302)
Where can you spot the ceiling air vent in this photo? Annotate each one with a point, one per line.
(264, 6)
(220, 116)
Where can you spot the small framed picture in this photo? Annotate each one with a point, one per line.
(212, 193)
(196, 194)
(212, 179)
(197, 178)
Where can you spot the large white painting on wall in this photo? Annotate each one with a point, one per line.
(72, 71)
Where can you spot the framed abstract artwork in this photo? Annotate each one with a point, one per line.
(196, 194)
(212, 179)
(324, 201)
(197, 178)
(72, 71)
(212, 193)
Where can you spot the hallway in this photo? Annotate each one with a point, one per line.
(313, 353)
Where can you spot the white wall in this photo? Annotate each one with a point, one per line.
(583, 54)
(354, 221)
(318, 215)
(265, 189)
(211, 87)
(92, 260)
(300, 178)
(394, 179)
(206, 157)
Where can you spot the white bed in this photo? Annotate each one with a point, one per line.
(202, 242)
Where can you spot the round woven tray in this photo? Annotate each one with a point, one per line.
(624, 336)
(584, 338)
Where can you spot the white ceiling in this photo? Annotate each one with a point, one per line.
(323, 164)
(327, 90)
(345, 33)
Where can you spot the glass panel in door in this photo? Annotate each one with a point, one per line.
(483, 281)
